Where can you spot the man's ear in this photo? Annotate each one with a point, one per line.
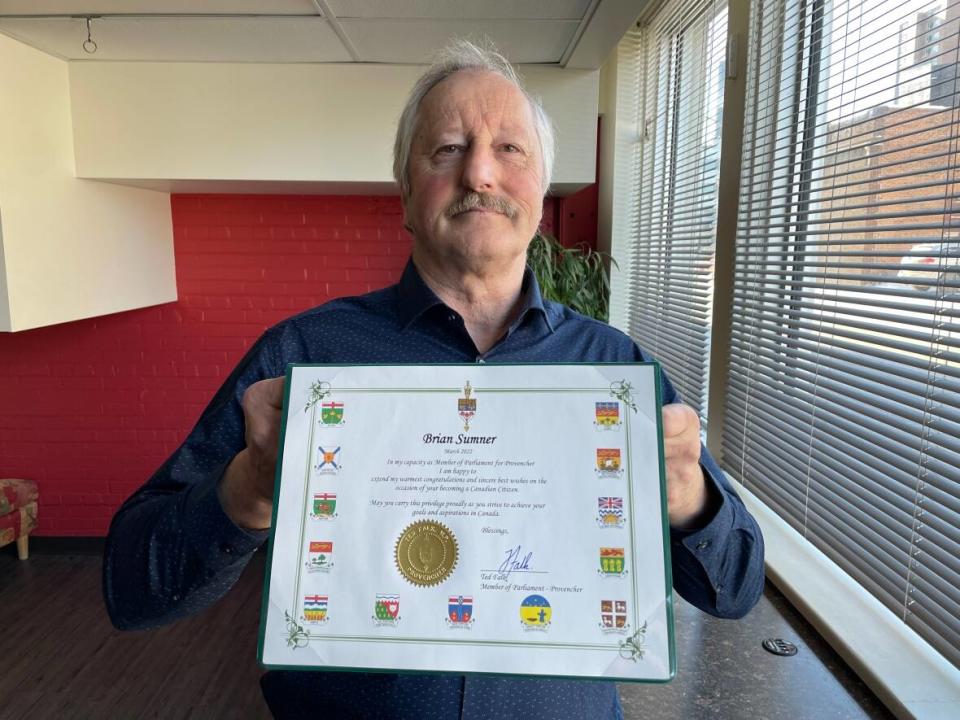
(406, 223)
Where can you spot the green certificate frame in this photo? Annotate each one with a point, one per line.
(479, 519)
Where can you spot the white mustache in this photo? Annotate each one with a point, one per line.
(485, 201)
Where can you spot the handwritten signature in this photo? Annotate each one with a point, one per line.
(514, 561)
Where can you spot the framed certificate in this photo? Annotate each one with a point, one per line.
(477, 518)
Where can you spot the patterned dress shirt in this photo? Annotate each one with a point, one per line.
(172, 551)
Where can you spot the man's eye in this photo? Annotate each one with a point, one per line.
(510, 147)
(448, 149)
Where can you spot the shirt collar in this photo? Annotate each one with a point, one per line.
(414, 297)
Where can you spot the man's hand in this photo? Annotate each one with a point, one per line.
(687, 493)
(246, 489)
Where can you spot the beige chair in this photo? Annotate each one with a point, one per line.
(18, 512)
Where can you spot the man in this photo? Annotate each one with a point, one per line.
(473, 158)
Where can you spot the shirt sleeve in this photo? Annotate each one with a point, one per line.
(718, 567)
(171, 550)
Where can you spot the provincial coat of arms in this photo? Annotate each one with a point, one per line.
(612, 561)
(324, 506)
(613, 616)
(608, 462)
(331, 414)
(315, 609)
(328, 460)
(386, 609)
(466, 406)
(459, 611)
(607, 415)
(535, 612)
(320, 558)
(610, 512)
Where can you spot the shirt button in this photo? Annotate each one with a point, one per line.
(703, 545)
(176, 598)
(480, 359)
(452, 317)
(226, 549)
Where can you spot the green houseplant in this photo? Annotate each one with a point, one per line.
(576, 277)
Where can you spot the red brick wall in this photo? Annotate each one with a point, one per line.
(89, 409)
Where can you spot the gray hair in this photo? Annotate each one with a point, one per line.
(457, 56)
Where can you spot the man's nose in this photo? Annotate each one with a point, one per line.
(479, 169)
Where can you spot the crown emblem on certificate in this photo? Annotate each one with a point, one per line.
(467, 406)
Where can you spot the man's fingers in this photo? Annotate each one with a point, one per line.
(264, 396)
(273, 390)
(687, 495)
(681, 433)
(262, 403)
(680, 419)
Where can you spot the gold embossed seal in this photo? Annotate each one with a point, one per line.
(426, 553)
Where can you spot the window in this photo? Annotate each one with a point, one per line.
(671, 168)
(843, 394)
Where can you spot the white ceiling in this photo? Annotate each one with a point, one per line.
(569, 33)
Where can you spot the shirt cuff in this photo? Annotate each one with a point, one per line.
(216, 540)
(707, 544)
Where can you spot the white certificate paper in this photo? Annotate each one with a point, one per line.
(505, 519)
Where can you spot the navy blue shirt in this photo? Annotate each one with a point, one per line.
(172, 551)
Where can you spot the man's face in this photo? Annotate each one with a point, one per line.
(475, 134)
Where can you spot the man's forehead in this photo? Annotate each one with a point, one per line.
(469, 96)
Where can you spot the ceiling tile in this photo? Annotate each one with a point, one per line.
(159, 7)
(461, 9)
(185, 39)
(414, 41)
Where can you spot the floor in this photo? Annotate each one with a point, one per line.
(62, 659)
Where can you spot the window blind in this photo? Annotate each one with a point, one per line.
(843, 394)
(677, 61)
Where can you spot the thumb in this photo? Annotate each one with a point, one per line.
(273, 391)
(679, 419)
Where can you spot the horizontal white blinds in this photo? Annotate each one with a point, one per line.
(625, 218)
(843, 394)
(682, 54)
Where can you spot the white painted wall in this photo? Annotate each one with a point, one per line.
(71, 248)
(617, 196)
(75, 247)
(328, 124)
(608, 143)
